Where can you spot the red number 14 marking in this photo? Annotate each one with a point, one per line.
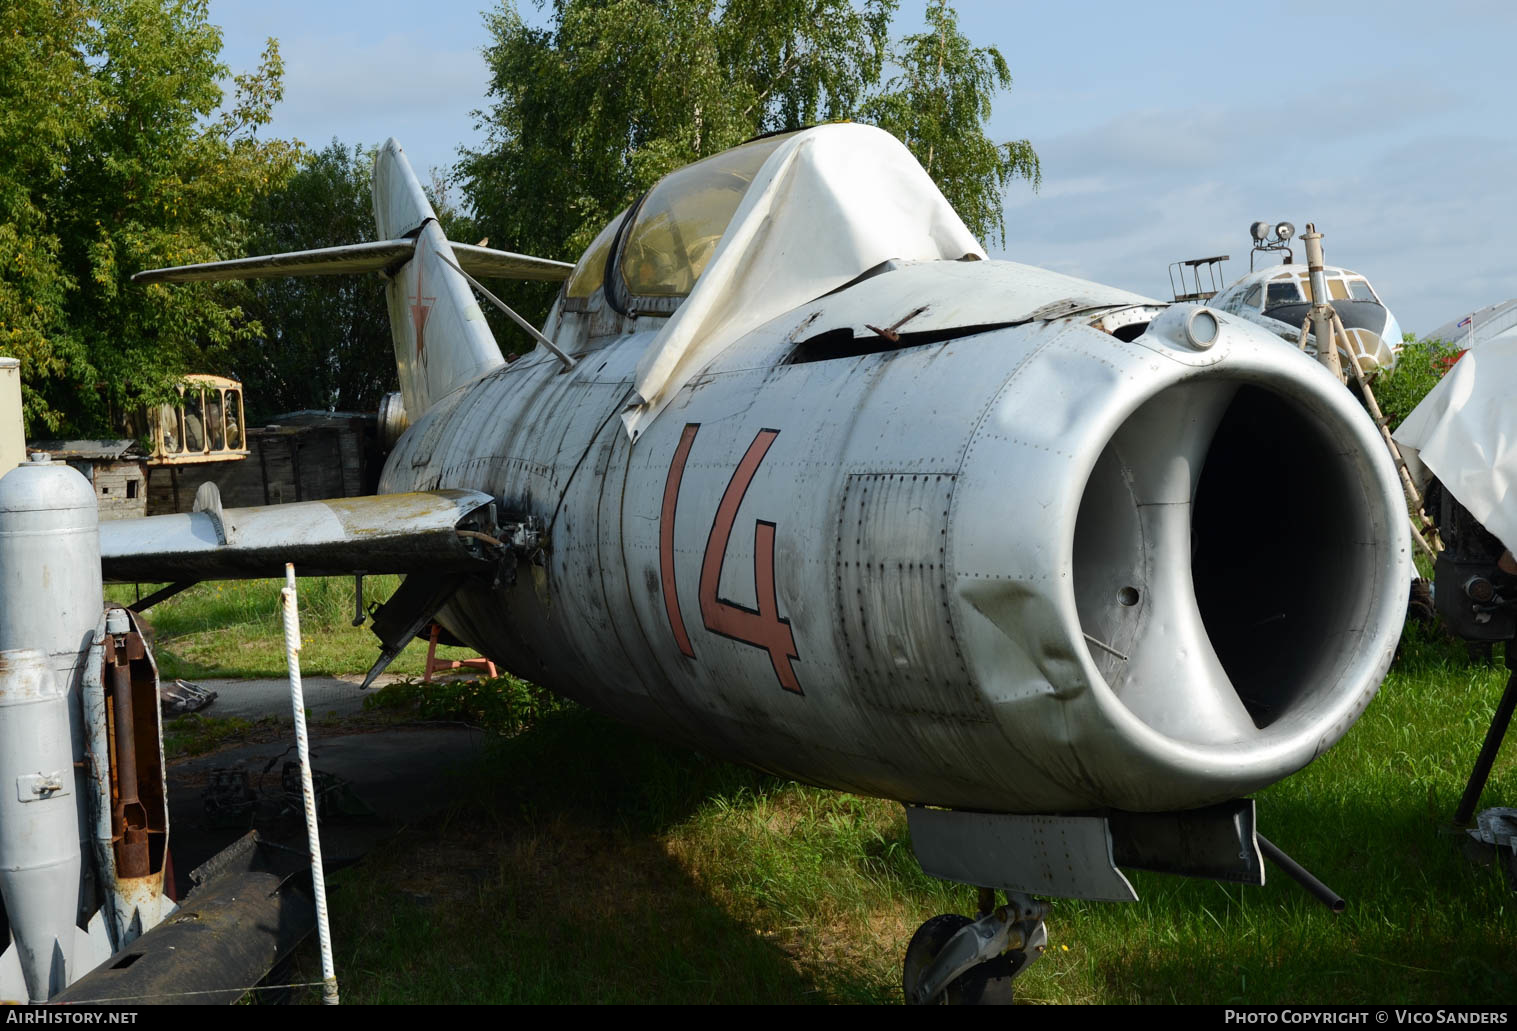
(761, 627)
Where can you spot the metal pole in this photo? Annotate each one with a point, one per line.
(1321, 311)
(1301, 875)
(1492, 745)
(1420, 521)
(307, 788)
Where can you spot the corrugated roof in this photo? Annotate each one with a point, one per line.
(87, 450)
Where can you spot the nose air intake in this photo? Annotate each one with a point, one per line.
(1227, 556)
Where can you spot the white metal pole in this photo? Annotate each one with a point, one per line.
(307, 788)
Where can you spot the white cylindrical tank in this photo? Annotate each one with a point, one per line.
(50, 589)
(50, 595)
(39, 827)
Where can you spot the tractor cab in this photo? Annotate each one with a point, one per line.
(208, 425)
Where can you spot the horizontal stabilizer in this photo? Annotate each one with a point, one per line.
(487, 262)
(356, 258)
(385, 533)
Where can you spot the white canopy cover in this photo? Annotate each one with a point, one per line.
(828, 204)
(1465, 432)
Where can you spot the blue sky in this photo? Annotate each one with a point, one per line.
(1164, 128)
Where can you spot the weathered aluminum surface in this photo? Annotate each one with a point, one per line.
(39, 827)
(393, 420)
(397, 533)
(1493, 322)
(49, 546)
(427, 300)
(489, 262)
(1217, 842)
(50, 591)
(1075, 497)
(1064, 856)
(1011, 435)
(97, 764)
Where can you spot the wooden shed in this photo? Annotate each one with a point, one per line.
(117, 470)
(299, 456)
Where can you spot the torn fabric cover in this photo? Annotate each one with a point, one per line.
(1465, 433)
(829, 204)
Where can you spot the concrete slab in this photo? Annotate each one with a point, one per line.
(252, 699)
(396, 772)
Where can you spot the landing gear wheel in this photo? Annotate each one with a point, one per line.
(1419, 607)
(988, 984)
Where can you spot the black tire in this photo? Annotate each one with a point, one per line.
(1419, 608)
(988, 984)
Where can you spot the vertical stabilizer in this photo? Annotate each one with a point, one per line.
(440, 335)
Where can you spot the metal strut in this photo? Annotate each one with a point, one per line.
(1327, 326)
(1301, 875)
(503, 306)
(1015, 928)
(1492, 745)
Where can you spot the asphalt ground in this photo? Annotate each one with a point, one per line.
(253, 699)
(376, 779)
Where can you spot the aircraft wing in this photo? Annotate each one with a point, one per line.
(360, 257)
(387, 533)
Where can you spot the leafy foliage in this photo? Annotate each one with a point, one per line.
(593, 110)
(937, 106)
(116, 155)
(1421, 365)
(502, 705)
(326, 340)
(42, 59)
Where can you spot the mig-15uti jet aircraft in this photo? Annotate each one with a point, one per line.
(796, 476)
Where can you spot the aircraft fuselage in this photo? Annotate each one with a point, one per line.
(882, 573)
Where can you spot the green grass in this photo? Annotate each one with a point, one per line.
(579, 862)
(236, 629)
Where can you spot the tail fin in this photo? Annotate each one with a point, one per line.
(440, 335)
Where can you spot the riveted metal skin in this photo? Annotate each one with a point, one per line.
(50, 590)
(39, 830)
(50, 543)
(961, 573)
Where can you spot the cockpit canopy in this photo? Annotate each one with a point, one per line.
(673, 233)
(732, 242)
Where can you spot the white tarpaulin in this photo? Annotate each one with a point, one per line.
(827, 205)
(1465, 433)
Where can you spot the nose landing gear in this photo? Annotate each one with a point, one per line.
(954, 959)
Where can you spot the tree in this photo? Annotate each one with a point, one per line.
(326, 339)
(138, 166)
(47, 101)
(591, 111)
(937, 107)
(323, 342)
(1419, 367)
